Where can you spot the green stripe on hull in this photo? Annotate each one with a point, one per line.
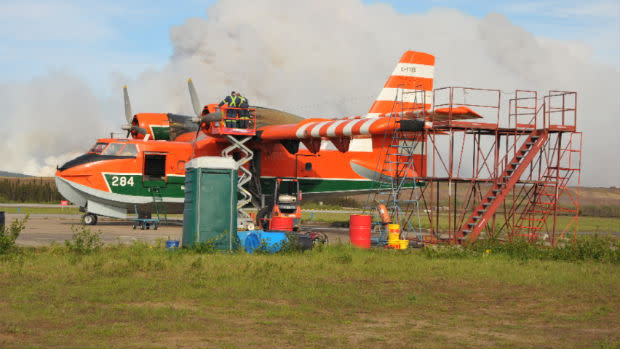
(161, 132)
(174, 187)
(133, 185)
(319, 185)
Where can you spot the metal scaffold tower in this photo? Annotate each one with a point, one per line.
(502, 177)
(398, 170)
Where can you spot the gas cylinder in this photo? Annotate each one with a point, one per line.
(384, 214)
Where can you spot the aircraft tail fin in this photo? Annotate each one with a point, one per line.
(411, 83)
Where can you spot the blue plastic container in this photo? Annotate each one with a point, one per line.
(253, 239)
(172, 244)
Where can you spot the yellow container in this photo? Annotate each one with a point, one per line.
(393, 233)
(404, 244)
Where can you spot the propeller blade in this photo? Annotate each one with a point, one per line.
(194, 97)
(128, 113)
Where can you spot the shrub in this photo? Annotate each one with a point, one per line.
(593, 247)
(599, 210)
(83, 241)
(204, 247)
(8, 235)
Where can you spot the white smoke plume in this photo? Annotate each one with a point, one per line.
(47, 121)
(302, 58)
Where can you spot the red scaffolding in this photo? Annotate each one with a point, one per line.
(505, 175)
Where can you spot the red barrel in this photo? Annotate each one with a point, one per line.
(281, 224)
(359, 230)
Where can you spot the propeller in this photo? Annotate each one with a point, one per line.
(130, 127)
(202, 115)
(264, 116)
(197, 110)
(194, 97)
(128, 113)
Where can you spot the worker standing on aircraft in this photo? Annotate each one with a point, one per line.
(244, 112)
(231, 113)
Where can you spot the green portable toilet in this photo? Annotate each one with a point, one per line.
(210, 212)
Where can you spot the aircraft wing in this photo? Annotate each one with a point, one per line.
(328, 128)
(310, 132)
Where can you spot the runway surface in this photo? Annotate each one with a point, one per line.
(43, 229)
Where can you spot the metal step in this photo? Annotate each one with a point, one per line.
(526, 227)
(534, 219)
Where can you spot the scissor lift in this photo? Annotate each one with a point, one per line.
(237, 150)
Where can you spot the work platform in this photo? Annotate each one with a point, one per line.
(237, 126)
(503, 175)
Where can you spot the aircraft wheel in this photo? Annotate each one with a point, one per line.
(89, 219)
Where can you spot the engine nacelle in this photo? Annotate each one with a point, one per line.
(161, 126)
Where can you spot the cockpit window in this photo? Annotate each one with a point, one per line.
(129, 150)
(113, 148)
(98, 148)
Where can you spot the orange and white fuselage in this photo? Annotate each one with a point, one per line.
(326, 155)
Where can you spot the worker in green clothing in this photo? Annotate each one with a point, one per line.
(244, 112)
(233, 102)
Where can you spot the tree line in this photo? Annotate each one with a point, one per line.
(28, 190)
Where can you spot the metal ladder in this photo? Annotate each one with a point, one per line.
(395, 177)
(158, 203)
(237, 145)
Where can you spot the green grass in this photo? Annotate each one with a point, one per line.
(40, 210)
(338, 296)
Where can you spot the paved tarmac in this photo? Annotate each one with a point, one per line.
(43, 229)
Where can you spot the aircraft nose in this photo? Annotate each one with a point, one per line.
(80, 160)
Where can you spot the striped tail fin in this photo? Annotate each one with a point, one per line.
(413, 72)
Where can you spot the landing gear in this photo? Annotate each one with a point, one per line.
(89, 219)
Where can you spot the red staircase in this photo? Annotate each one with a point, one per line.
(545, 203)
(502, 186)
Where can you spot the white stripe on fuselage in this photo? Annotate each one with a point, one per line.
(405, 96)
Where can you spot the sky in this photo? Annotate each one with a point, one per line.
(63, 62)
